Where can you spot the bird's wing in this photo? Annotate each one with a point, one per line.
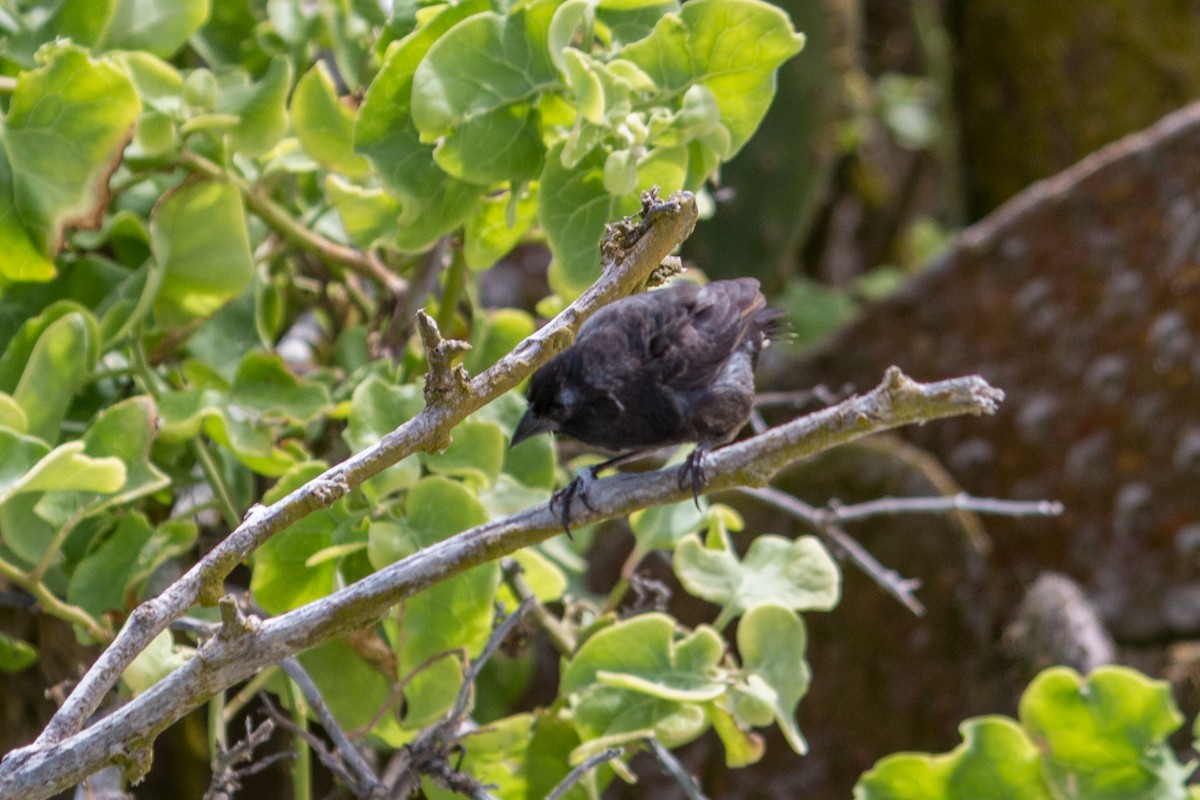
(706, 331)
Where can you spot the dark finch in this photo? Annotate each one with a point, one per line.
(661, 368)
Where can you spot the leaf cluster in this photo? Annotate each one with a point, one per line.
(213, 219)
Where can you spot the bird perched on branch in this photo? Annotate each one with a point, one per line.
(665, 367)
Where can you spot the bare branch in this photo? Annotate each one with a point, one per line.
(671, 764)
(226, 779)
(888, 579)
(560, 635)
(429, 754)
(366, 783)
(42, 769)
(626, 266)
(941, 505)
(445, 380)
(582, 769)
(329, 759)
(824, 521)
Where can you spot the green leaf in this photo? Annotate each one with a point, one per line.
(186, 413)
(57, 367)
(574, 207)
(160, 658)
(796, 574)
(476, 452)
(18, 455)
(100, 581)
(323, 124)
(625, 21)
(660, 527)
(202, 271)
(173, 538)
(498, 331)
(15, 655)
(260, 108)
(433, 202)
(996, 761)
(368, 215)
(282, 578)
(544, 578)
(66, 125)
(489, 233)
(772, 642)
(490, 131)
(124, 430)
(1106, 736)
(12, 416)
(377, 408)
(635, 678)
(497, 756)
(158, 84)
(508, 496)
(67, 468)
(501, 145)
(264, 385)
(353, 689)
(159, 26)
(742, 747)
(484, 63)
(456, 613)
(732, 47)
(814, 310)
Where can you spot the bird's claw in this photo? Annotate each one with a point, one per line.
(566, 495)
(693, 473)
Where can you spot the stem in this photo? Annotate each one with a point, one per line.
(248, 693)
(622, 585)
(560, 635)
(60, 536)
(455, 278)
(218, 742)
(212, 472)
(51, 605)
(302, 766)
(8, 85)
(365, 264)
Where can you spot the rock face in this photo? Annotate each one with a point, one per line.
(1081, 299)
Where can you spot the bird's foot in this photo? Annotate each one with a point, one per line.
(693, 472)
(566, 495)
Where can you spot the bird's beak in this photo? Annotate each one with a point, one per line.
(529, 425)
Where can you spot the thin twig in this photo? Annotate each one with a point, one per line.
(226, 780)
(560, 635)
(671, 764)
(466, 692)
(397, 693)
(363, 263)
(942, 505)
(48, 602)
(429, 753)
(330, 760)
(889, 580)
(345, 748)
(589, 764)
(801, 398)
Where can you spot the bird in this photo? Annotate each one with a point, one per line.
(665, 367)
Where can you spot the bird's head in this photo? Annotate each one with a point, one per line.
(550, 403)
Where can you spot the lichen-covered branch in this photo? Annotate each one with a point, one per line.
(666, 225)
(48, 767)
